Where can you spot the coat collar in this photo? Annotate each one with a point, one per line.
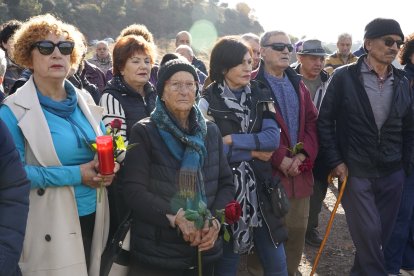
(33, 124)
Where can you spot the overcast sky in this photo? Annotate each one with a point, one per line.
(325, 19)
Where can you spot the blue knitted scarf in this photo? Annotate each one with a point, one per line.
(187, 147)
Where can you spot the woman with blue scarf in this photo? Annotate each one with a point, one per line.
(52, 124)
(178, 164)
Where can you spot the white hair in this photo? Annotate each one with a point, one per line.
(3, 63)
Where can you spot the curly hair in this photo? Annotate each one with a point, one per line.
(38, 28)
(138, 30)
(406, 50)
(227, 53)
(128, 45)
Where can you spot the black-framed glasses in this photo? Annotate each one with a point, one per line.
(389, 42)
(280, 46)
(46, 47)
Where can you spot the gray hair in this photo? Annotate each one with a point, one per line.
(251, 37)
(267, 35)
(185, 47)
(181, 33)
(3, 63)
(344, 36)
(102, 42)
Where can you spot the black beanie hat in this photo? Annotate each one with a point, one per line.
(170, 68)
(383, 26)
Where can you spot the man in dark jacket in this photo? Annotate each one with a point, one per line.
(311, 58)
(366, 132)
(14, 204)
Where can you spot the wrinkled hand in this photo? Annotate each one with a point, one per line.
(106, 179)
(294, 167)
(285, 165)
(190, 233)
(209, 235)
(340, 171)
(262, 155)
(227, 140)
(91, 177)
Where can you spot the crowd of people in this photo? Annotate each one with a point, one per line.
(200, 137)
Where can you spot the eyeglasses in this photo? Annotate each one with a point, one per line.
(177, 86)
(46, 47)
(280, 46)
(389, 42)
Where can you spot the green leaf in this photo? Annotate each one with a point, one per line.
(191, 215)
(221, 216)
(199, 223)
(297, 148)
(130, 146)
(226, 235)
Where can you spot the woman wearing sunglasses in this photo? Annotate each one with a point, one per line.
(245, 115)
(52, 123)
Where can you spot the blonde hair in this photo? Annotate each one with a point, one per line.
(38, 28)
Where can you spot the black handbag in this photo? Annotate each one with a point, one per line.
(277, 196)
(271, 186)
(113, 252)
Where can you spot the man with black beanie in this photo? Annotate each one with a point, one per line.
(366, 133)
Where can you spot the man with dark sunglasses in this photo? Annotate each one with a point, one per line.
(366, 133)
(296, 116)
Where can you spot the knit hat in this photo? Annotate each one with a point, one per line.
(170, 68)
(383, 26)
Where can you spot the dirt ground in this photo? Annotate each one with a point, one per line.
(338, 255)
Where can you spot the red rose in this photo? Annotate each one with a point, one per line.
(232, 212)
(306, 165)
(116, 124)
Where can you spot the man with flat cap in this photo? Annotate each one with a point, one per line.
(366, 132)
(311, 59)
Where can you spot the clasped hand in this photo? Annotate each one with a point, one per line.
(290, 166)
(91, 176)
(203, 238)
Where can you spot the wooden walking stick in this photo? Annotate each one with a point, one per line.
(328, 227)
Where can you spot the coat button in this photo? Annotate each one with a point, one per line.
(225, 116)
(48, 238)
(41, 191)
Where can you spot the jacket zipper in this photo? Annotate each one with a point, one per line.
(265, 221)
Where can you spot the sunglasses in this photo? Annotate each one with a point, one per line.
(46, 47)
(280, 46)
(389, 42)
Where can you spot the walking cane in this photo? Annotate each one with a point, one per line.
(328, 227)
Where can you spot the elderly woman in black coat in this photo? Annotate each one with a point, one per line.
(177, 164)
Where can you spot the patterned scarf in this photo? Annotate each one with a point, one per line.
(187, 147)
(243, 176)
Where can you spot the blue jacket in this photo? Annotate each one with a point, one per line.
(14, 204)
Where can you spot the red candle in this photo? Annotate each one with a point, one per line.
(105, 150)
